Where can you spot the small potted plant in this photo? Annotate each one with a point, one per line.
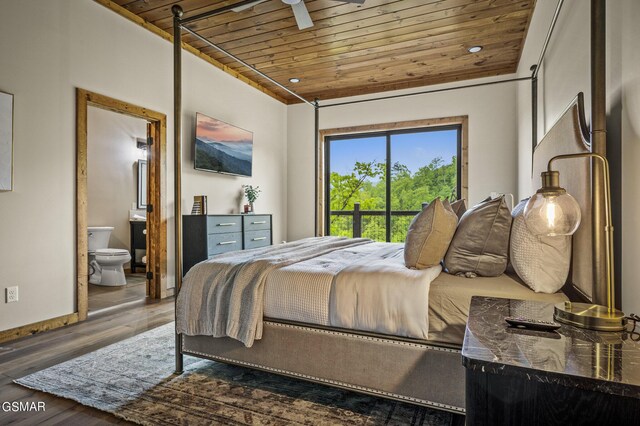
(251, 193)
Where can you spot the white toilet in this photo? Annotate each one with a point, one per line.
(105, 264)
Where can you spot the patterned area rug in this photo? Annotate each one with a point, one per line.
(134, 380)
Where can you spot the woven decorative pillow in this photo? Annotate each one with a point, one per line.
(429, 235)
(480, 245)
(541, 262)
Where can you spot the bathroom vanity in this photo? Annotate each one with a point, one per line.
(204, 236)
(138, 241)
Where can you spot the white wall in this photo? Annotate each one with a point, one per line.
(623, 90)
(492, 140)
(266, 118)
(112, 171)
(566, 72)
(47, 49)
(563, 74)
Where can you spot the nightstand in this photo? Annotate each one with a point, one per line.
(523, 377)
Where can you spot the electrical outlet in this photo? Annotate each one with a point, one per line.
(11, 294)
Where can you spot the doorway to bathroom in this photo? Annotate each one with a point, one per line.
(121, 206)
(116, 208)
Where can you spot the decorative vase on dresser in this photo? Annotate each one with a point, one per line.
(204, 236)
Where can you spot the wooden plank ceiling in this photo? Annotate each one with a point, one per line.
(356, 49)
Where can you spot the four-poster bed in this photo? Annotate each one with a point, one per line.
(421, 371)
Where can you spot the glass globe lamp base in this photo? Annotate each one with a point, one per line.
(589, 316)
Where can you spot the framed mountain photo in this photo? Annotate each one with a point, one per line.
(221, 147)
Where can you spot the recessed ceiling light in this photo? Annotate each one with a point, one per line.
(474, 49)
(294, 80)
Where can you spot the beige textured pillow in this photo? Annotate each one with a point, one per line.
(481, 243)
(541, 262)
(429, 236)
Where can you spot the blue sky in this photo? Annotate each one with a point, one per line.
(414, 150)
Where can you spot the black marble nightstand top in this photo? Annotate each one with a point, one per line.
(607, 362)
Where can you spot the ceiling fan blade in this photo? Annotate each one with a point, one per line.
(300, 12)
(247, 6)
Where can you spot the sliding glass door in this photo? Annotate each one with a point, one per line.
(377, 182)
(356, 169)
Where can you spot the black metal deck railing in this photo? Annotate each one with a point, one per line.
(370, 223)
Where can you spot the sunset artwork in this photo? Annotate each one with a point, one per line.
(221, 147)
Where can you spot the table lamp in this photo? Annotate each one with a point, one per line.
(552, 211)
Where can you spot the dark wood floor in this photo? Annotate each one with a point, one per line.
(34, 353)
(101, 297)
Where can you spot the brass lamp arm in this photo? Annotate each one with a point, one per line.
(607, 181)
(608, 219)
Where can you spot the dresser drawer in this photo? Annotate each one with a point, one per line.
(220, 224)
(222, 243)
(255, 239)
(255, 222)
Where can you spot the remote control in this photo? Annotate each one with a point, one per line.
(532, 323)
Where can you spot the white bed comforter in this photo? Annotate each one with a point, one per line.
(347, 283)
(379, 293)
(224, 296)
(366, 288)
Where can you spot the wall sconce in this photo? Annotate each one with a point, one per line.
(143, 147)
(552, 211)
(141, 143)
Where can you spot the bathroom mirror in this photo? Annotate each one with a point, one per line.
(142, 184)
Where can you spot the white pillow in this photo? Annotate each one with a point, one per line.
(541, 262)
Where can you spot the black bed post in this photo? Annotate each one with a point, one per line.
(316, 110)
(177, 127)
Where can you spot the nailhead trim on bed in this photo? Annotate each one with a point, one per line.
(339, 383)
(370, 338)
(332, 382)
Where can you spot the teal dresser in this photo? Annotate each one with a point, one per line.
(204, 236)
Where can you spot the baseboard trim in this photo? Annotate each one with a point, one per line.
(169, 292)
(38, 327)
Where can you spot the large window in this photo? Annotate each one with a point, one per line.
(376, 182)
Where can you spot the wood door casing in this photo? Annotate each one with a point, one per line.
(157, 189)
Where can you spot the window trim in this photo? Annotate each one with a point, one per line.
(382, 130)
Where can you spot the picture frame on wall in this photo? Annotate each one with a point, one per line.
(6, 141)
